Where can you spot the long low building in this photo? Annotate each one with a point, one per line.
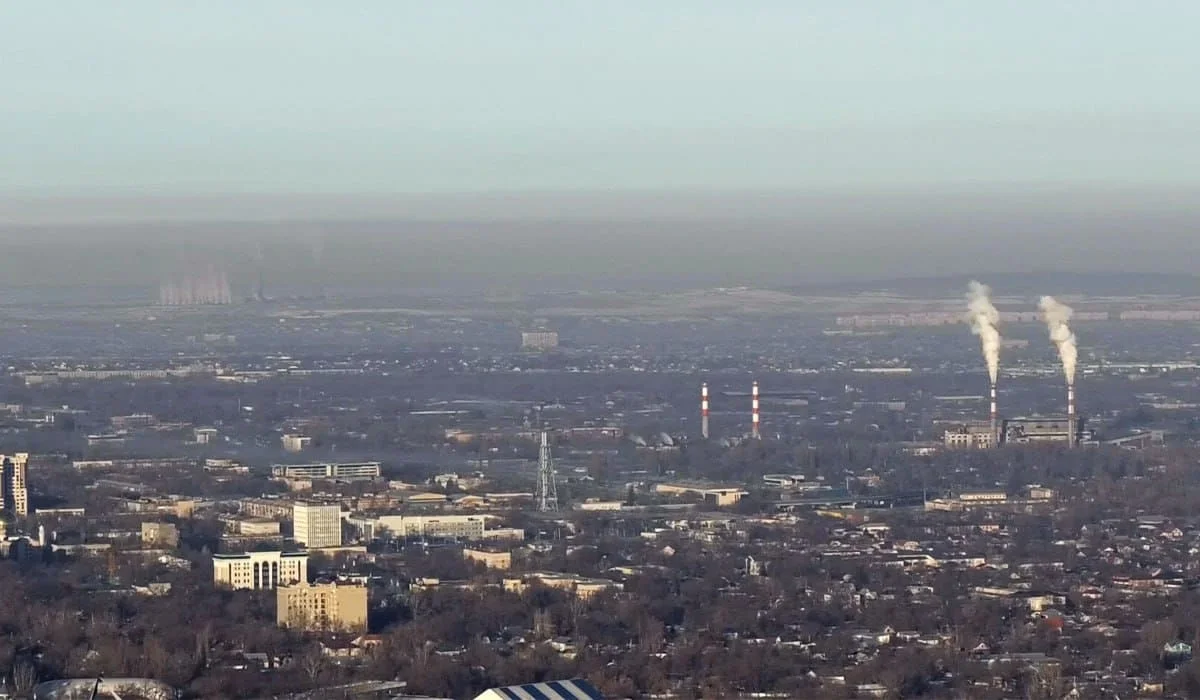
(344, 471)
(719, 495)
(452, 527)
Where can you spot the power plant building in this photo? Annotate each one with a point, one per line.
(1046, 429)
(979, 435)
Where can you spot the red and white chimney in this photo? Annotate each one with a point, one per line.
(704, 410)
(995, 416)
(754, 411)
(1071, 421)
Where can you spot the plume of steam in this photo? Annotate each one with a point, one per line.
(984, 319)
(1057, 316)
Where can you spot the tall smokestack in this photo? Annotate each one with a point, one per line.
(1057, 316)
(1072, 423)
(754, 411)
(995, 416)
(704, 410)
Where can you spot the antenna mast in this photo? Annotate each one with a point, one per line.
(547, 487)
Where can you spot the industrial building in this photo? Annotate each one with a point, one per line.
(539, 340)
(1046, 429)
(1018, 431)
(345, 472)
(717, 495)
(971, 435)
(322, 607)
(317, 525)
(260, 570)
(13, 489)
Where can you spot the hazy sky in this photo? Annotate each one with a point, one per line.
(220, 96)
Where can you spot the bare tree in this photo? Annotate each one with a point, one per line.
(24, 677)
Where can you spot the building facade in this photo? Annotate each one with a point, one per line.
(539, 340)
(260, 570)
(449, 527)
(13, 487)
(346, 471)
(492, 560)
(322, 607)
(317, 525)
(295, 443)
(160, 535)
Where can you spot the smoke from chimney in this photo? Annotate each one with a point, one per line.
(984, 319)
(1057, 316)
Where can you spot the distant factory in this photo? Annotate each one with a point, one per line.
(1018, 431)
(984, 320)
(539, 340)
(208, 287)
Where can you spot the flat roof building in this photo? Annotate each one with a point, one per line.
(322, 607)
(13, 487)
(347, 471)
(260, 570)
(450, 527)
(317, 525)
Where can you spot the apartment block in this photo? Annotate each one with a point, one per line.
(322, 607)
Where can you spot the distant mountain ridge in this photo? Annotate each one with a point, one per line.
(1090, 284)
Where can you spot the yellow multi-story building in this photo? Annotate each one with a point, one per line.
(322, 606)
(12, 488)
(492, 560)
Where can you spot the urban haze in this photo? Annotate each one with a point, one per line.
(672, 350)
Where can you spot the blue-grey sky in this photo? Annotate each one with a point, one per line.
(379, 96)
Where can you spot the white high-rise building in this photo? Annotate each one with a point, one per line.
(317, 525)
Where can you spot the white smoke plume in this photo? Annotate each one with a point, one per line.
(984, 319)
(1057, 316)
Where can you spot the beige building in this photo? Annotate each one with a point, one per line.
(454, 527)
(317, 525)
(257, 527)
(492, 560)
(579, 586)
(970, 435)
(160, 535)
(717, 495)
(295, 443)
(322, 606)
(260, 570)
(12, 487)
